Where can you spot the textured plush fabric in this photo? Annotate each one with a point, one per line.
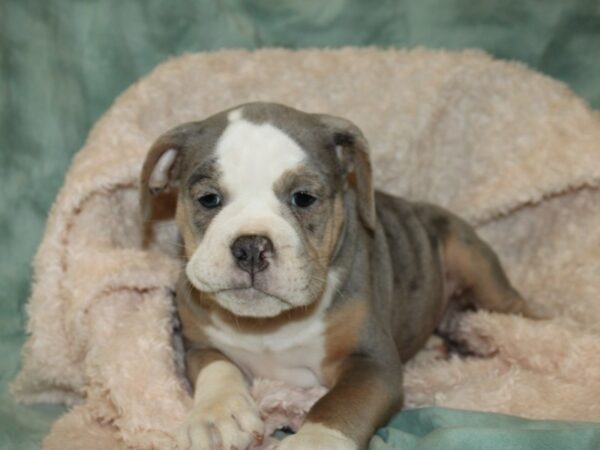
(514, 152)
(62, 62)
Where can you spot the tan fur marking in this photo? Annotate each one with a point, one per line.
(341, 336)
(333, 233)
(322, 250)
(185, 228)
(472, 265)
(163, 207)
(192, 324)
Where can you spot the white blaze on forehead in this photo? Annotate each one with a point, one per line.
(252, 157)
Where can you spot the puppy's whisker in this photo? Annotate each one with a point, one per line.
(177, 243)
(314, 277)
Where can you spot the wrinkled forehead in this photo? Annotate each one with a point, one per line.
(257, 144)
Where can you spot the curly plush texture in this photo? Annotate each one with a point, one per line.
(512, 151)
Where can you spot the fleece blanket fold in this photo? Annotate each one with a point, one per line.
(514, 152)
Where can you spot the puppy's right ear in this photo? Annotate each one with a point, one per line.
(354, 153)
(161, 170)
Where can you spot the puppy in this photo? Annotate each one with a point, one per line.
(297, 269)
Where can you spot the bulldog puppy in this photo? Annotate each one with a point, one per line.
(296, 269)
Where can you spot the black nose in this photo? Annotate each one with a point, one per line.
(252, 252)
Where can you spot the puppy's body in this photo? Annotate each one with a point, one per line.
(297, 270)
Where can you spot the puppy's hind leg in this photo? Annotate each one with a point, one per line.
(473, 268)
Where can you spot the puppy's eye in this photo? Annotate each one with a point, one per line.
(303, 199)
(210, 201)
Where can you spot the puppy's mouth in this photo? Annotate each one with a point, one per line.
(251, 302)
(250, 293)
(260, 297)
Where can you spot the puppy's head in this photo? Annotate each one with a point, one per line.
(261, 195)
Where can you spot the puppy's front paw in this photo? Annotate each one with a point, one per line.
(221, 422)
(317, 437)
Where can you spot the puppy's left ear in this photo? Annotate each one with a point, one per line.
(352, 149)
(161, 169)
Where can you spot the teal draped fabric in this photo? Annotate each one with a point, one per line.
(450, 429)
(62, 62)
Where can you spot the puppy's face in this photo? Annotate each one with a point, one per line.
(260, 205)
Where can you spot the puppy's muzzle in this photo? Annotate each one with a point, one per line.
(252, 253)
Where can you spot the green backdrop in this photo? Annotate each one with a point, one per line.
(63, 62)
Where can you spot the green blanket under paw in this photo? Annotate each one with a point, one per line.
(448, 429)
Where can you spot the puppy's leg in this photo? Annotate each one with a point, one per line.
(224, 415)
(366, 394)
(471, 265)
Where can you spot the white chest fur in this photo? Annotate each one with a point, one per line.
(293, 353)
